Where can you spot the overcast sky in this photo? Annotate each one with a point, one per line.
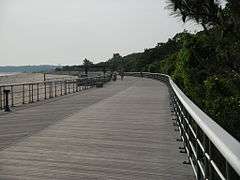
(67, 31)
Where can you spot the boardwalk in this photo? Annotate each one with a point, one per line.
(122, 131)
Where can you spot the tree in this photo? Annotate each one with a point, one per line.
(204, 12)
(209, 13)
(87, 64)
(116, 63)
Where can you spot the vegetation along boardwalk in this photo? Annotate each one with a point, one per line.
(121, 131)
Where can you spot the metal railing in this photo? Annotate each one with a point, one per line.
(213, 153)
(12, 95)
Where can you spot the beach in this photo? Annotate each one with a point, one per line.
(11, 78)
(8, 73)
(21, 94)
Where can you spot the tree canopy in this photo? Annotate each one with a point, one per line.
(205, 65)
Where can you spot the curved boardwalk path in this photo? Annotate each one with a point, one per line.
(121, 131)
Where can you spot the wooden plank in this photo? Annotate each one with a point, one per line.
(123, 131)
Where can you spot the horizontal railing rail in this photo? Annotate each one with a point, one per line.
(47, 80)
(213, 153)
(23, 93)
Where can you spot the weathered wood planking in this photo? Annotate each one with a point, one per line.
(122, 131)
(31, 118)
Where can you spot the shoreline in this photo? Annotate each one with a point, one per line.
(15, 78)
(4, 74)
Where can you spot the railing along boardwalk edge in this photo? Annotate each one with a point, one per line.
(121, 131)
(24, 93)
(203, 138)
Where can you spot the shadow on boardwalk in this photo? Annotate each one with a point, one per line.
(122, 131)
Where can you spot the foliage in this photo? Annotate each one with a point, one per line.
(116, 63)
(87, 63)
(222, 101)
(206, 65)
(209, 79)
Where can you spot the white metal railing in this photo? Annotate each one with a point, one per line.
(212, 152)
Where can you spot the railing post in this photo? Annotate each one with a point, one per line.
(69, 88)
(197, 153)
(77, 88)
(6, 94)
(32, 93)
(206, 162)
(12, 97)
(23, 94)
(73, 87)
(45, 90)
(1, 104)
(37, 91)
(50, 90)
(228, 177)
(61, 88)
(65, 87)
(4, 97)
(73, 84)
(210, 155)
(29, 93)
(55, 85)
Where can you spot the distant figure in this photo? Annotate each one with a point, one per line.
(122, 75)
(141, 74)
(114, 76)
(44, 77)
(111, 75)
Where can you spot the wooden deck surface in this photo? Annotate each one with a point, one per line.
(121, 131)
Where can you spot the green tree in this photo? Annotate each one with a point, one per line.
(87, 64)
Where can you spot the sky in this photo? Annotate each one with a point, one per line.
(34, 32)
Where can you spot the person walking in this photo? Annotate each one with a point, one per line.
(114, 76)
(122, 75)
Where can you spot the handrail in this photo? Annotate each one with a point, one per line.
(189, 114)
(21, 93)
(49, 81)
(225, 143)
(35, 82)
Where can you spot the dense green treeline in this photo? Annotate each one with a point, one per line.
(202, 72)
(205, 65)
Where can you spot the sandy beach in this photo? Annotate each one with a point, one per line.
(7, 78)
(17, 91)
